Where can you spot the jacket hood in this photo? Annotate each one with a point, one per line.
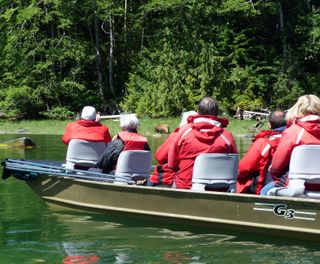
(217, 121)
(206, 131)
(311, 123)
(265, 134)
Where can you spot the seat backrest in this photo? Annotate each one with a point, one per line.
(304, 162)
(304, 173)
(84, 153)
(218, 169)
(134, 164)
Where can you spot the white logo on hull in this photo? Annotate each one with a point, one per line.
(282, 210)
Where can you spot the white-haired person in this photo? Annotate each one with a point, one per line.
(127, 139)
(163, 175)
(303, 120)
(87, 128)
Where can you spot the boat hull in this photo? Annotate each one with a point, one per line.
(279, 216)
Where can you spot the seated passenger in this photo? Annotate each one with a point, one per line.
(205, 133)
(252, 175)
(127, 139)
(86, 128)
(163, 175)
(304, 118)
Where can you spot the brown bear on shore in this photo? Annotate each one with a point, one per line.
(162, 129)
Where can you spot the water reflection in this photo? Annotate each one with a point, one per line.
(116, 240)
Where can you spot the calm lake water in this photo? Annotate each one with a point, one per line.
(32, 232)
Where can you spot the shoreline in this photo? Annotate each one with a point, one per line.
(239, 128)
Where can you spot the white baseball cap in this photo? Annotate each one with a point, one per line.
(88, 113)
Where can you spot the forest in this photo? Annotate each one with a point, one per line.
(156, 58)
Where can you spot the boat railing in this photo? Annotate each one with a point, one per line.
(30, 169)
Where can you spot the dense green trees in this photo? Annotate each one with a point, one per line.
(156, 57)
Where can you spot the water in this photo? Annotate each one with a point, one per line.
(33, 232)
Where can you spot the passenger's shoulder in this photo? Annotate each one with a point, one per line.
(227, 132)
(104, 126)
(294, 129)
(72, 124)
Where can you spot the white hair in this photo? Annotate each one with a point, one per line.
(129, 122)
(184, 118)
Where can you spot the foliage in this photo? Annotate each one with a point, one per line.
(58, 113)
(237, 52)
(156, 58)
(19, 102)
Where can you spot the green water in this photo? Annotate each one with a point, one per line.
(32, 232)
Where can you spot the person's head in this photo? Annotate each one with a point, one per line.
(129, 122)
(88, 113)
(184, 118)
(306, 105)
(277, 119)
(208, 106)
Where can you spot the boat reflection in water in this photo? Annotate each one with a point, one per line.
(112, 239)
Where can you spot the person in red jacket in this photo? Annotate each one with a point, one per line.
(205, 133)
(86, 128)
(127, 139)
(252, 174)
(304, 118)
(164, 175)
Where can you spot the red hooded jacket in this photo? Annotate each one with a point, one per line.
(305, 131)
(86, 130)
(204, 134)
(256, 161)
(162, 173)
(161, 154)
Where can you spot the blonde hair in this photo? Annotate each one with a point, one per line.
(306, 105)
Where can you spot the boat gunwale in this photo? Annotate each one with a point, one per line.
(155, 190)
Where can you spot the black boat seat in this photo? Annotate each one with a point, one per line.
(215, 172)
(133, 165)
(83, 154)
(304, 173)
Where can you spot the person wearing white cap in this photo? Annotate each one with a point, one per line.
(87, 128)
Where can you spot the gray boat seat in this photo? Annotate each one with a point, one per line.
(83, 154)
(133, 165)
(215, 171)
(304, 173)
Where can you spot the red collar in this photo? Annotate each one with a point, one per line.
(265, 134)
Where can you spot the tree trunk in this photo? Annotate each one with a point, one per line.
(98, 55)
(282, 33)
(125, 20)
(111, 54)
(142, 32)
